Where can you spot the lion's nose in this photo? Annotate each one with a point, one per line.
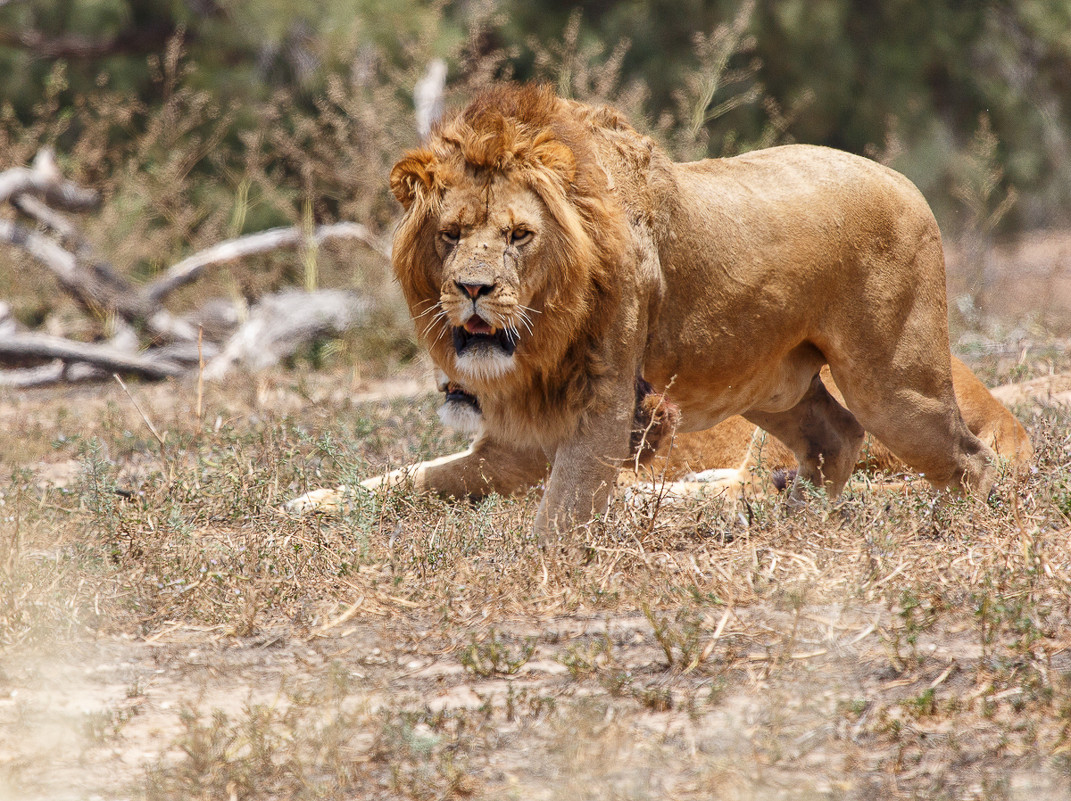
(474, 290)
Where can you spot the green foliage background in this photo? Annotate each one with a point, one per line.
(903, 78)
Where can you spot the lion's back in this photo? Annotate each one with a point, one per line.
(807, 179)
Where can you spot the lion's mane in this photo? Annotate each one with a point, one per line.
(533, 137)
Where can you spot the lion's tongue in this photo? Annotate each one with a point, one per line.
(476, 325)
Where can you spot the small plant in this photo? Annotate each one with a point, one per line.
(682, 638)
(923, 705)
(586, 659)
(654, 698)
(493, 656)
(1011, 617)
(99, 491)
(101, 726)
(616, 682)
(917, 615)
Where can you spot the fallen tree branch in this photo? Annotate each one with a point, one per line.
(44, 346)
(38, 210)
(428, 97)
(191, 267)
(283, 322)
(53, 373)
(276, 327)
(8, 325)
(43, 178)
(97, 287)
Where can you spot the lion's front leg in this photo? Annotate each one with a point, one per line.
(489, 466)
(485, 468)
(585, 471)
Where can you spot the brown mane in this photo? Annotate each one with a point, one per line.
(529, 135)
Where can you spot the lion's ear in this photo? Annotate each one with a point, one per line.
(412, 176)
(556, 157)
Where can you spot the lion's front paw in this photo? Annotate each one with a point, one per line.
(327, 501)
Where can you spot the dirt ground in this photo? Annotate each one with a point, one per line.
(168, 632)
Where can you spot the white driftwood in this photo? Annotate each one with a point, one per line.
(191, 267)
(279, 324)
(8, 325)
(37, 209)
(43, 178)
(275, 328)
(52, 373)
(428, 97)
(96, 286)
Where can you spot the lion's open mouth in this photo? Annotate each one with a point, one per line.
(477, 335)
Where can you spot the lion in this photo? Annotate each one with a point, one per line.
(550, 256)
(728, 444)
(727, 454)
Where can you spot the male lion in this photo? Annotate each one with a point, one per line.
(551, 255)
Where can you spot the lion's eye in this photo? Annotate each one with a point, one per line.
(450, 236)
(520, 236)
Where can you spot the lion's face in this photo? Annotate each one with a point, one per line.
(488, 242)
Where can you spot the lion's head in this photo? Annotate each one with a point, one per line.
(504, 249)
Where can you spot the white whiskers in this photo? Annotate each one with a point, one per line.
(438, 318)
(522, 314)
(428, 310)
(513, 333)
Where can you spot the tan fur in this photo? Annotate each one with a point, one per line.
(730, 443)
(727, 283)
(732, 450)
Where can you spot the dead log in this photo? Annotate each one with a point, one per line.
(70, 363)
(190, 268)
(37, 209)
(95, 286)
(43, 178)
(275, 328)
(52, 373)
(281, 323)
(44, 346)
(8, 325)
(428, 97)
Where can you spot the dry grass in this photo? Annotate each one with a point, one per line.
(184, 639)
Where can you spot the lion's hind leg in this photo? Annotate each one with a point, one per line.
(824, 437)
(924, 429)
